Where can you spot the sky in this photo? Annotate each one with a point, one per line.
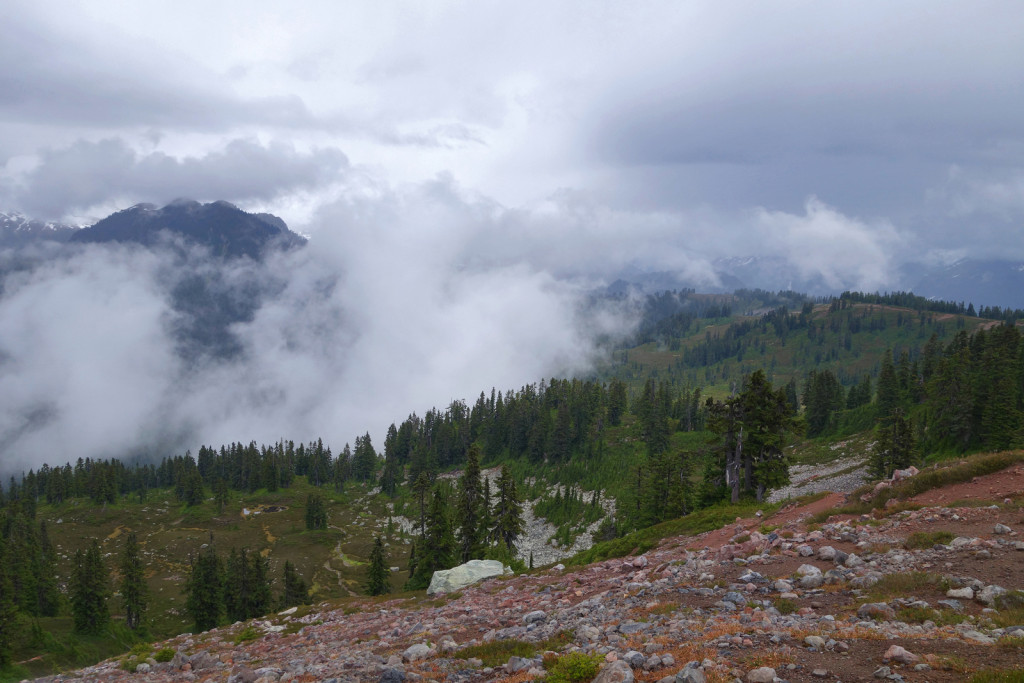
(466, 171)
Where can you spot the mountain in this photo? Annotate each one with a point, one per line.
(17, 230)
(988, 283)
(220, 226)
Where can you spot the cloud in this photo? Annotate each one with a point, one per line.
(378, 316)
(88, 174)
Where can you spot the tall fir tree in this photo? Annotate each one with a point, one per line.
(296, 590)
(468, 513)
(90, 589)
(437, 548)
(316, 512)
(134, 594)
(8, 608)
(507, 512)
(378, 574)
(204, 589)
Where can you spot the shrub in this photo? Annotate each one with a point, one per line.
(164, 654)
(575, 667)
(922, 540)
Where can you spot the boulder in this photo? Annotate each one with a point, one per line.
(691, 673)
(417, 652)
(895, 653)
(762, 674)
(616, 672)
(876, 610)
(451, 580)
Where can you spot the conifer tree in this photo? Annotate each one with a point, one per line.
(316, 512)
(377, 575)
(90, 589)
(204, 589)
(896, 447)
(508, 511)
(47, 590)
(134, 594)
(238, 585)
(259, 572)
(468, 513)
(8, 607)
(296, 591)
(437, 548)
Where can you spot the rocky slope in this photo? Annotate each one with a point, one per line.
(761, 600)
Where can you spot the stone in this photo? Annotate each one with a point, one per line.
(392, 676)
(895, 653)
(820, 673)
(142, 668)
(474, 571)
(783, 586)
(966, 593)
(516, 663)
(826, 552)
(882, 672)
(954, 605)
(808, 570)
(1001, 529)
(805, 550)
(989, 594)
(817, 642)
(811, 582)
(242, 674)
(762, 674)
(616, 672)
(691, 673)
(416, 652)
(853, 561)
(960, 542)
(978, 637)
(876, 610)
(535, 616)
(653, 662)
(634, 659)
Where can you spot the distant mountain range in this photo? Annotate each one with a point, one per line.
(981, 282)
(229, 232)
(223, 228)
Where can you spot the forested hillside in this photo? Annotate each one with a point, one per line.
(701, 410)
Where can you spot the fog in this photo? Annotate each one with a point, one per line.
(380, 315)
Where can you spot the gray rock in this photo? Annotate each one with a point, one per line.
(961, 593)
(762, 674)
(853, 561)
(817, 642)
(826, 552)
(954, 605)
(989, 594)
(691, 673)
(416, 652)
(810, 582)
(515, 664)
(142, 668)
(876, 610)
(1001, 529)
(808, 570)
(882, 672)
(735, 598)
(616, 672)
(242, 674)
(451, 580)
(535, 616)
(820, 673)
(634, 658)
(978, 637)
(805, 550)
(392, 676)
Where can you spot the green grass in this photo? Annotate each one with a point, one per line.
(641, 541)
(497, 652)
(919, 615)
(922, 540)
(908, 583)
(998, 676)
(575, 667)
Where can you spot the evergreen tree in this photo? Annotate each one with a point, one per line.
(616, 401)
(888, 394)
(437, 548)
(508, 512)
(220, 494)
(468, 513)
(316, 512)
(134, 594)
(238, 585)
(204, 589)
(896, 447)
(260, 597)
(8, 608)
(421, 487)
(296, 591)
(378, 574)
(47, 590)
(90, 588)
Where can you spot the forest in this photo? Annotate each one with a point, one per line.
(928, 379)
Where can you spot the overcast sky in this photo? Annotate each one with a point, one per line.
(771, 122)
(466, 171)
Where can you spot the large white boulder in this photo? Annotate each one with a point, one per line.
(450, 580)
